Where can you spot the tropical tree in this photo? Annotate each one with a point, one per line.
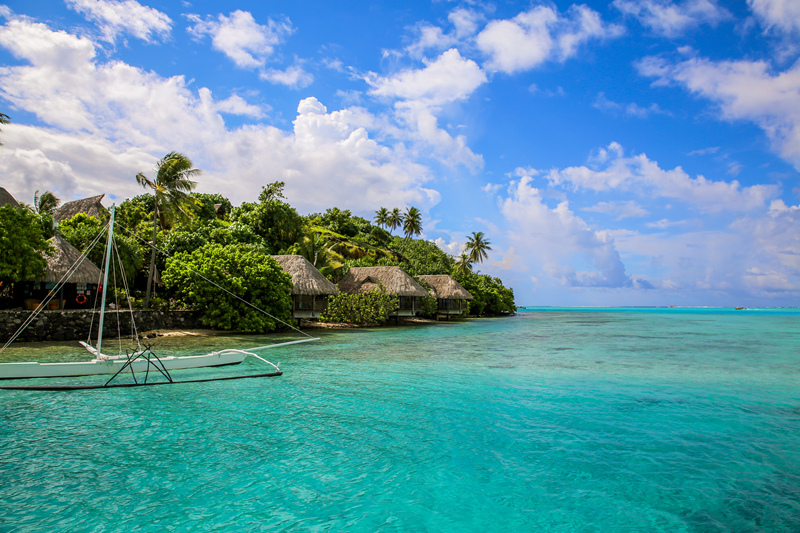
(4, 119)
(22, 243)
(395, 220)
(274, 221)
(477, 247)
(250, 280)
(463, 265)
(81, 230)
(412, 222)
(382, 217)
(45, 203)
(171, 188)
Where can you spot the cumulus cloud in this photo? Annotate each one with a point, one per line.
(640, 175)
(293, 76)
(752, 250)
(743, 90)
(247, 43)
(448, 78)
(116, 18)
(778, 15)
(98, 133)
(672, 19)
(557, 235)
(236, 105)
(421, 93)
(541, 34)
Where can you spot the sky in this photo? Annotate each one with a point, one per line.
(625, 152)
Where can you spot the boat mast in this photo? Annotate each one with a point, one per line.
(105, 281)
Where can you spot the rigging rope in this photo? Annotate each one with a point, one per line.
(54, 290)
(162, 252)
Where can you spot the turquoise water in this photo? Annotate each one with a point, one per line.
(556, 420)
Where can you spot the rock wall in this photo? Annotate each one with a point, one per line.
(73, 325)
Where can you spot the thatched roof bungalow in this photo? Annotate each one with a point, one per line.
(91, 206)
(7, 199)
(394, 280)
(451, 297)
(79, 289)
(62, 261)
(310, 289)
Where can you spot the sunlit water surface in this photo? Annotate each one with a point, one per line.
(556, 420)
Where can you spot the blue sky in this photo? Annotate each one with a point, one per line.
(632, 152)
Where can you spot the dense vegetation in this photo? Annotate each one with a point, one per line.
(205, 233)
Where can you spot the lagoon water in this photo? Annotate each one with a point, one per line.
(555, 420)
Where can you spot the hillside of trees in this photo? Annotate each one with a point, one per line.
(234, 244)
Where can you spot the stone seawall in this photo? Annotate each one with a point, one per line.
(73, 325)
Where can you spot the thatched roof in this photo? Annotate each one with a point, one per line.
(306, 278)
(90, 206)
(445, 287)
(364, 279)
(62, 260)
(6, 198)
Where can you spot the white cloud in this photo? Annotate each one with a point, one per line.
(447, 79)
(293, 76)
(453, 248)
(421, 93)
(236, 105)
(779, 15)
(620, 210)
(672, 19)
(99, 133)
(744, 90)
(633, 109)
(552, 237)
(241, 38)
(119, 17)
(640, 175)
(541, 34)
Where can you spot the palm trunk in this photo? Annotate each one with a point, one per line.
(152, 271)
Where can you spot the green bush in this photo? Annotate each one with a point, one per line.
(373, 307)
(247, 273)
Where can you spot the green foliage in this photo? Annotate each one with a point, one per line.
(477, 247)
(136, 214)
(423, 257)
(246, 271)
(276, 222)
(490, 296)
(412, 222)
(45, 203)
(210, 231)
(204, 208)
(22, 243)
(369, 308)
(81, 230)
(171, 188)
(429, 303)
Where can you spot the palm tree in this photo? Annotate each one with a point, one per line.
(463, 265)
(382, 217)
(171, 188)
(4, 119)
(412, 222)
(46, 203)
(477, 247)
(395, 220)
(314, 248)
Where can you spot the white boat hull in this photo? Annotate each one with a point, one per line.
(112, 366)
